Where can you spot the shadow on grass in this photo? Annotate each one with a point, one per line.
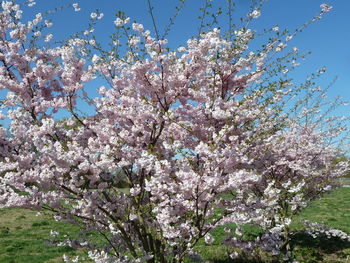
(316, 249)
(324, 244)
(306, 249)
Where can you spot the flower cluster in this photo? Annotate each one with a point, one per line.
(316, 230)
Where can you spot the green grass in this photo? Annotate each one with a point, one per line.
(332, 210)
(24, 236)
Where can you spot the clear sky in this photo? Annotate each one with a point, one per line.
(328, 39)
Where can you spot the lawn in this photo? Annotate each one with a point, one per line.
(25, 237)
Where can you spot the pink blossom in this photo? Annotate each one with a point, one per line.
(325, 8)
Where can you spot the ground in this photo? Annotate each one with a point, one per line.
(25, 236)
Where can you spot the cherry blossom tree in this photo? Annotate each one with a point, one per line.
(173, 135)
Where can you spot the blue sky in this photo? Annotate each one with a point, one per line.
(328, 39)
